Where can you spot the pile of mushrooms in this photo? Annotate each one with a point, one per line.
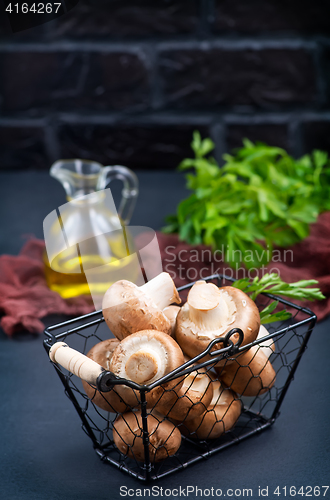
(153, 338)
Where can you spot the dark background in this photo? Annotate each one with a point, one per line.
(128, 81)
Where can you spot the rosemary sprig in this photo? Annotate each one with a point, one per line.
(268, 316)
(272, 283)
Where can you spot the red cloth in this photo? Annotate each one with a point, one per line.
(25, 297)
(309, 259)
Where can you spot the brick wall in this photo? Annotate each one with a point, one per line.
(127, 81)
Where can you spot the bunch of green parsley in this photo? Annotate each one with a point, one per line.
(260, 198)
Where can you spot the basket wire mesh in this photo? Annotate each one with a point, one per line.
(256, 413)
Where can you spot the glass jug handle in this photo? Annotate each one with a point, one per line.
(130, 190)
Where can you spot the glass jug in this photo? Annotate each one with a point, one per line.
(86, 233)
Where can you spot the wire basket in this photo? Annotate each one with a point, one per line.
(253, 413)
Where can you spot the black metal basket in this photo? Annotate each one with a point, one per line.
(258, 412)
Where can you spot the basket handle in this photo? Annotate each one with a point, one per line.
(87, 369)
(75, 362)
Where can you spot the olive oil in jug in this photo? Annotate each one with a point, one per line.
(88, 247)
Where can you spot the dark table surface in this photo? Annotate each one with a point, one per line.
(46, 455)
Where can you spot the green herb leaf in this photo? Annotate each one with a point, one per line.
(272, 283)
(272, 318)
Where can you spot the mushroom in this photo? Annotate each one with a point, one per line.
(191, 399)
(145, 357)
(171, 313)
(250, 374)
(101, 353)
(164, 437)
(128, 308)
(268, 346)
(211, 312)
(220, 416)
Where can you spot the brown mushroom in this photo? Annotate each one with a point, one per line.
(211, 312)
(267, 346)
(190, 400)
(250, 374)
(109, 401)
(128, 308)
(164, 437)
(220, 416)
(145, 357)
(171, 313)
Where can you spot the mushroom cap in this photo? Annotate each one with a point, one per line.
(144, 357)
(250, 374)
(127, 309)
(164, 437)
(241, 312)
(111, 401)
(191, 399)
(220, 416)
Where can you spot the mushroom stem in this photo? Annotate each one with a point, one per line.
(161, 290)
(208, 308)
(171, 313)
(142, 366)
